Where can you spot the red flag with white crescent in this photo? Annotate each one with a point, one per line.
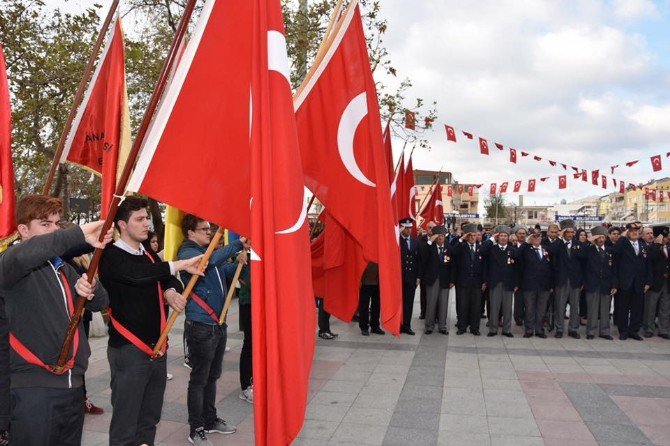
(407, 206)
(656, 163)
(434, 208)
(562, 181)
(517, 186)
(471, 190)
(531, 185)
(512, 156)
(503, 187)
(595, 176)
(492, 189)
(460, 189)
(622, 187)
(483, 146)
(450, 190)
(339, 130)
(451, 133)
(603, 182)
(410, 120)
(7, 195)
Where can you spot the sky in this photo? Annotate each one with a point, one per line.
(586, 83)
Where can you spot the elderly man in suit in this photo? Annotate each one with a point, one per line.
(599, 283)
(657, 298)
(633, 275)
(536, 283)
(410, 259)
(568, 267)
(439, 278)
(469, 280)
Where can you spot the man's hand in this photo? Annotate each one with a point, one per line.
(245, 243)
(190, 266)
(242, 257)
(659, 239)
(483, 287)
(646, 288)
(433, 238)
(83, 288)
(92, 234)
(175, 300)
(516, 288)
(613, 291)
(418, 281)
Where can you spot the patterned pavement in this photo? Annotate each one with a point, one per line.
(441, 390)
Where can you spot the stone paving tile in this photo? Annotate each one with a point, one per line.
(447, 438)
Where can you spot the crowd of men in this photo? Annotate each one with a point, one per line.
(530, 278)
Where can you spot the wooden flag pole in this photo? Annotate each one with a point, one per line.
(186, 294)
(78, 97)
(329, 28)
(231, 290)
(172, 57)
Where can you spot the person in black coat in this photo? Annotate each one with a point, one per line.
(568, 267)
(469, 280)
(633, 275)
(501, 278)
(599, 283)
(536, 284)
(410, 263)
(657, 296)
(423, 247)
(438, 278)
(521, 232)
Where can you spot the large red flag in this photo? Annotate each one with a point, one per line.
(7, 198)
(99, 139)
(343, 157)
(397, 189)
(388, 149)
(434, 208)
(408, 203)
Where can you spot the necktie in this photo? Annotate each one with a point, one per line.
(568, 246)
(665, 251)
(601, 252)
(636, 248)
(539, 253)
(407, 240)
(472, 252)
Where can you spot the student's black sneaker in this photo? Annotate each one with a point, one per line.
(199, 438)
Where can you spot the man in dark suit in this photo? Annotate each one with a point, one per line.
(536, 284)
(521, 232)
(568, 267)
(613, 235)
(423, 247)
(657, 297)
(633, 274)
(500, 277)
(438, 278)
(469, 280)
(599, 283)
(410, 259)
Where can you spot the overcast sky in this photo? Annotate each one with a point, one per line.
(581, 82)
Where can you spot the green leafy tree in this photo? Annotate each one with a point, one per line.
(495, 207)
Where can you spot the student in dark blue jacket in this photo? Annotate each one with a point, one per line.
(536, 283)
(599, 283)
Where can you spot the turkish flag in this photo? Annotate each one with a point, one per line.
(531, 185)
(407, 204)
(503, 187)
(565, 166)
(632, 163)
(562, 181)
(613, 167)
(595, 176)
(656, 163)
(337, 113)
(622, 187)
(450, 190)
(460, 189)
(434, 208)
(517, 186)
(397, 190)
(553, 163)
(525, 153)
(492, 190)
(512, 156)
(652, 194)
(471, 191)
(451, 134)
(388, 150)
(467, 134)
(99, 139)
(603, 182)
(499, 146)
(537, 158)
(483, 146)
(7, 196)
(410, 120)
(584, 176)
(576, 175)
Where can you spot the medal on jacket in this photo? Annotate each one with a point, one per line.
(644, 253)
(509, 258)
(609, 259)
(446, 259)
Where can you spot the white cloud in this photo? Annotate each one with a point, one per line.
(634, 9)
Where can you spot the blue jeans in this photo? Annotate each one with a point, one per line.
(206, 345)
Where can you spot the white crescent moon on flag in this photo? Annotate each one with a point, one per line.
(301, 219)
(412, 194)
(351, 118)
(277, 56)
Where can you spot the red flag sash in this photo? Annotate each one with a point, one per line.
(209, 310)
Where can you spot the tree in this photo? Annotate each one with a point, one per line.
(495, 207)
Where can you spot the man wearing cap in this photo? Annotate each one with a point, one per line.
(568, 267)
(424, 245)
(657, 297)
(469, 281)
(501, 278)
(599, 283)
(633, 275)
(521, 232)
(536, 284)
(438, 278)
(410, 259)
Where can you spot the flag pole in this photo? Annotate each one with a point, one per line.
(329, 28)
(186, 294)
(78, 97)
(161, 84)
(231, 290)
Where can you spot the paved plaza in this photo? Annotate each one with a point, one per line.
(440, 390)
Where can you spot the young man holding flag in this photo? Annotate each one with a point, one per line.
(206, 338)
(40, 290)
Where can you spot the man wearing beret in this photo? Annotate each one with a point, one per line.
(469, 280)
(438, 278)
(600, 284)
(410, 259)
(536, 284)
(501, 278)
(521, 232)
(568, 267)
(657, 297)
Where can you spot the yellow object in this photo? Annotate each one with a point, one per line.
(173, 235)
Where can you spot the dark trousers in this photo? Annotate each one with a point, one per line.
(519, 308)
(408, 290)
(138, 387)
(4, 368)
(470, 301)
(206, 344)
(246, 368)
(43, 416)
(368, 307)
(629, 312)
(324, 317)
(422, 298)
(535, 302)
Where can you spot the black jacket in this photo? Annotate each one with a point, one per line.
(36, 308)
(410, 260)
(438, 267)
(536, 274)
(500, 265)
(569, 266)
(599, 274)
(632, 271)
(660, 267)
(469, 268)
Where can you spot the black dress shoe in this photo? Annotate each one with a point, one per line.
(648, 334)
(476, 333)
(460, 332)
(528, 335)
(444, 332)
(636, 336)
(608, 337)
(623, 337)
(422, 317)
(407, 331)
(518, 323)
(509, 335)
(574, 334)
(365, 333)
(428, 332)
(378, 331)
(491, 334)
(558, 335)
(664, 336)
(541, 335)
(589, 337)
